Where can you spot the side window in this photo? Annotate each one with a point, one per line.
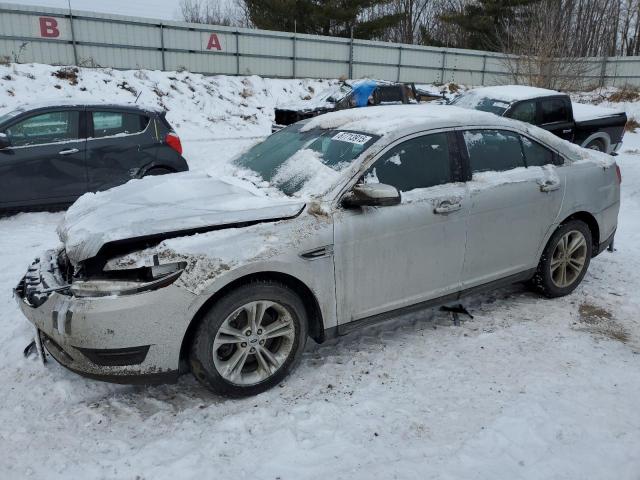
(417, 163)
(554, 110)
(106, 124)
(493, 150)
(524, 111)
(48, 127)
(535, 154)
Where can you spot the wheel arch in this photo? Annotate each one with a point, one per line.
(309, 299)
(603, 136)
(591, 222)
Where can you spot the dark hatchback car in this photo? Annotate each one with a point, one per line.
(50, 155)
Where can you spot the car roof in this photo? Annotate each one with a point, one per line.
(512, 93)
(67, 103)
(400, 120)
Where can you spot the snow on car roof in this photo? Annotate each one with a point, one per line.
(394, 121)
(512, 93)
(383, 120)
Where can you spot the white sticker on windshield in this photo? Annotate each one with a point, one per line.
(356, 138)
(500, 104)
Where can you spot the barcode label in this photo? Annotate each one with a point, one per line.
(356, 138)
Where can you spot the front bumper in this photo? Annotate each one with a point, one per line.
(123, 339)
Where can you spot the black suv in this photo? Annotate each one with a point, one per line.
(51, 154)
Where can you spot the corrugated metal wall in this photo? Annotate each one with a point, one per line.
(49, 35)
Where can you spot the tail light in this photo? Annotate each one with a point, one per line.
(618, 174)
(173, 140)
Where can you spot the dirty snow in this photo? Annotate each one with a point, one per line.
(529, 388)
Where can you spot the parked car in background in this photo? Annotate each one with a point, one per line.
(327, 225)
(589, 126)
(350, 94)
(50, 154)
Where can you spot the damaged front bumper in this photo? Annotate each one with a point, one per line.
(123, 339)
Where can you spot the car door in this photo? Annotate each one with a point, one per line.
(118, 148)
(45, 162)
(555, 115)
(515, 194)
(390, 257)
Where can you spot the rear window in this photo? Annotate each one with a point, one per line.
(476, 102)
(106, 124)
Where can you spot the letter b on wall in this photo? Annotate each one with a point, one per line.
(49, 27)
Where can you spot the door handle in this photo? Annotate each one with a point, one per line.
(549, 186)
(68, 152)
(447, 207)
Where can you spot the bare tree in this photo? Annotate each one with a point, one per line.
(209, 12)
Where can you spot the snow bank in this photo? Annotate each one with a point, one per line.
(198, 106)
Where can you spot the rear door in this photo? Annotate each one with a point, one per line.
(119, 146)
(515, 193)
(556, 116)
(45, 163)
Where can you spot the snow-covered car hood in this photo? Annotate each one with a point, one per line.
(168, 205)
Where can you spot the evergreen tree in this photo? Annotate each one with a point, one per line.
(321, 17)
(488, 23)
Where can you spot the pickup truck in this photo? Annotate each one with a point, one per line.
(350, 94)
(589, 126)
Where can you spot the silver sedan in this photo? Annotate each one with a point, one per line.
(330, 224)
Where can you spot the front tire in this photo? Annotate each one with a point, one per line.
(565, 260)
(250, 339)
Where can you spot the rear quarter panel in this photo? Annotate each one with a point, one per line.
(593, 187)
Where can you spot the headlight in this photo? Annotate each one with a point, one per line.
(129, 282)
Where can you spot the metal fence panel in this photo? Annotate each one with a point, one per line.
(57, 36)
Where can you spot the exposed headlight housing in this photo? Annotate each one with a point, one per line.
(128, 282)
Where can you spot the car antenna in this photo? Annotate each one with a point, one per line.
(138, 97)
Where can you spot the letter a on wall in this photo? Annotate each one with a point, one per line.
(49, 27)
(214, 42)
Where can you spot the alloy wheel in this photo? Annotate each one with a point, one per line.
(568, 259)
(253, 342)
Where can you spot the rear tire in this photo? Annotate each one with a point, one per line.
(597, 145)
(158, 171)
(565, 260)
(234, 357)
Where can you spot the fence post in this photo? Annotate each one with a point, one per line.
(237, 32)
(73, 38)
(399, 62)
(164, 67)
(603, 70)
(294, 55)
(351, 55)
(444, 61)
(484, 68)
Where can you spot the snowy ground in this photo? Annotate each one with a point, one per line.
(529, 388)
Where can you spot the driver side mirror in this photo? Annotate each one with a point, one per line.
(372, 195)
(4, 141)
